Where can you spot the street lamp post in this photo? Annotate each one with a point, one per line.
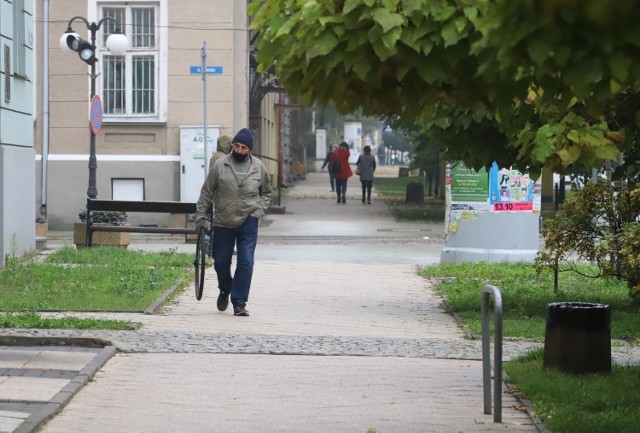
(117, 44)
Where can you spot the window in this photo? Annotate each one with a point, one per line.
(19, 43)
(130, 81)
(127, 189)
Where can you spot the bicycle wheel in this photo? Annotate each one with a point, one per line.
(200, 262)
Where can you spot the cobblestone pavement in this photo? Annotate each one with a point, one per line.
(363, 341)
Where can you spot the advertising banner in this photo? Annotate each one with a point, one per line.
(353, 137)
(467, 185)
(513, 191)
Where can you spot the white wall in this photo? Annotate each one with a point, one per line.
(17, 156)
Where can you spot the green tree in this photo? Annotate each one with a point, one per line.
(396, 139)
(530, 83)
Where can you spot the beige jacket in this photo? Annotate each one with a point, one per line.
(233, 201)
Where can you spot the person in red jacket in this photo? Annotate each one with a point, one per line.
(341, 170)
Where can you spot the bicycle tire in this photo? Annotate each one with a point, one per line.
(200, 262)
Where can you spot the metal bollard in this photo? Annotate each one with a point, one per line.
(486, 356)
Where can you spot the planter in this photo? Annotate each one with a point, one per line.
(99, 238)
(42, 230)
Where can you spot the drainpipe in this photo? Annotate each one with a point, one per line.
(45, 107)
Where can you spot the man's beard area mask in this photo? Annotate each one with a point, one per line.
(239, 156)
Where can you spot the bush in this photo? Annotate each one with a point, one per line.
(598, 225)
(115, 218)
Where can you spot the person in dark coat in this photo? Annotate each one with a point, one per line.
(327, 160)
(342, 173)
(366, 167)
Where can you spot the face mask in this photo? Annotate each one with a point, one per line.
(239, 157)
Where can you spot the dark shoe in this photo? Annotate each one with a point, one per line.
(344, 200)
(338, 200)
(363, 200)
(369, 202)
(240, 311)
(223, 301)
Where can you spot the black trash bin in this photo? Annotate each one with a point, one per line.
(414, 192)
(578, 338)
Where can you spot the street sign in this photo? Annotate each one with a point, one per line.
(96, 115)
(211, 70)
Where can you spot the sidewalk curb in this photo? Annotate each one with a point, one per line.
(64, 396)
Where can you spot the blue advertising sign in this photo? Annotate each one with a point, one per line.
(510, 190)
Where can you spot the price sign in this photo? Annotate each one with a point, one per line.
(513, 207)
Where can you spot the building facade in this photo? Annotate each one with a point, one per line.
(153, 100)
(17, 173)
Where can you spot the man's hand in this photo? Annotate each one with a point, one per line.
(201, 223)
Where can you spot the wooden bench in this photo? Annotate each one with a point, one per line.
(137, 206)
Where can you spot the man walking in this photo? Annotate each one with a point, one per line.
(238, 189)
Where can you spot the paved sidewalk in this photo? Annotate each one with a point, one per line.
(344, 336)
(371, 357)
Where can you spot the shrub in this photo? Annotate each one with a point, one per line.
(599, 225)
(106, 217)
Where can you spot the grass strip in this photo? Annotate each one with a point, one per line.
(120, 256)
(89, 279)
(566, 403)
(526, 294)
(34, 320)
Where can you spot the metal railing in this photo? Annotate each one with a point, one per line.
(487, 290)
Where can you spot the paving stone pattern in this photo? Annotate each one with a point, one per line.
(342, 337)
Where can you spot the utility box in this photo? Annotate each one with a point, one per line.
(192, 159)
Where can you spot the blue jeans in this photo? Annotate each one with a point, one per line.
(224, 239)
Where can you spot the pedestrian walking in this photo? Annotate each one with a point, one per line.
(366, 168)
(341, 170)
(223, 148)
(327, 159)
(238, 190)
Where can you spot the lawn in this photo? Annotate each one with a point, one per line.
(393, 189)
(566, 403)
(525, 295)
(89, 279)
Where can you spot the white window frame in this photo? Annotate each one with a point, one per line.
(161, 64)
(19, 39)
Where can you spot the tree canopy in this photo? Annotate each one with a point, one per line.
(531, 83)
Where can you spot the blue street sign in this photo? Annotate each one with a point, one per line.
(211, 70)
